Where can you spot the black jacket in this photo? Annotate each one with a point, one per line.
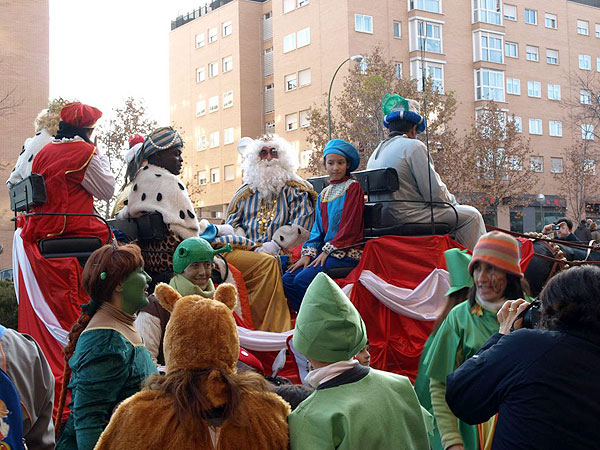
(543, 384)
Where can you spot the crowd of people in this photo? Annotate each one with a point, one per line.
(154, 360)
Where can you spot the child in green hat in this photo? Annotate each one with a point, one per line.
(353, 407)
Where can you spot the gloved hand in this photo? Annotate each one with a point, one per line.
(224, 230)
(270, 247)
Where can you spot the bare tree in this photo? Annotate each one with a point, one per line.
(112, 139)
(357, 115)
(495, 162)
(8, 102)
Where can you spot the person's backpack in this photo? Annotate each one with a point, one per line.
(11, 419)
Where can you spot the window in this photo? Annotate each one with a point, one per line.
(291, 122)
(597, 28)
(270, 126)
(510, 12)
(585, 62)
(227, 63)
(426, 5)
(305, 158)
(304, 77)
(554, 92)
(432, 70)
(200, 108)
(302, 3)
(213, 139)
(269, 99)
(515, 163)
(291, 82)
(489, 85)
(535, 126)
(213, 104)
(491, 48)
(228, 136)
(551, 21)
(518, 123)
(304, 122)
(597, 64)
(229, 172)
(212, 35)
(398, 69)
(532, 53)
(589, 167)
(202, 178)
(511, 49)
(487, 11)
(363, 23)
(531, 16)
(534, 89)
(536, 163)
(200, 40)
(585, 97)
(583, 27)
(215, 175)
(201, 143)
(228, 99)
(555, 127)
(288, 5)
(397, 26)
(303, 38)
(556, 165)
(587, 131)
(227, 28)
(200, 74)
(364, 65)
(513, 86)
(551, 56)
(289, 43)
(430, 37)
(213, 69)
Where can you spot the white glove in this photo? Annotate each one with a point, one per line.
(224, 230)
(270, 247)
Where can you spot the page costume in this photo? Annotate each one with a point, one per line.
(351, 406)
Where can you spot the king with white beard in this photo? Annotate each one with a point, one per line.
(271, 211)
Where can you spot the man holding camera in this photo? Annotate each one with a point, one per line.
(562, 229)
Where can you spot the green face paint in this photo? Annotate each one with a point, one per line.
(134, 293)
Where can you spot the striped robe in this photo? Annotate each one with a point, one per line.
(295, 206)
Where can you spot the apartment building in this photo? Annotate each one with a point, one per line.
(24, 77)
(242, 67)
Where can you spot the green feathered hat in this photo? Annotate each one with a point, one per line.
(328, 326)
(193, 250)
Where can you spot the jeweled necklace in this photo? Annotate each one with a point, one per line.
(266, 214)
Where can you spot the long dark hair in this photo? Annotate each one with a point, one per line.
(66, 130)
(117, 262)
(516, 287)
(570, 302)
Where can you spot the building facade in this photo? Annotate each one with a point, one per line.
(24, 88)
(242, 68)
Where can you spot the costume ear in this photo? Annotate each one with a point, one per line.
(166, 295)
(227, 293)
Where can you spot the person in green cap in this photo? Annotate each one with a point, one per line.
(353, 407)
(192, 265)
(457, 263)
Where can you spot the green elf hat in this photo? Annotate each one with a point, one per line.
(193, 250)
(328, 326)
(457, 262)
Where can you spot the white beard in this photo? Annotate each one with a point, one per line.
(268, 178)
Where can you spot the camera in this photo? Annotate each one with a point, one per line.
(556, 227)
(531, 316)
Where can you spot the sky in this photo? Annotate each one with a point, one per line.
(102, 52)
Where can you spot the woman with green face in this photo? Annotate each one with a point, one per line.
(105, 360)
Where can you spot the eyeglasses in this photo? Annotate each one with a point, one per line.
(265, 151)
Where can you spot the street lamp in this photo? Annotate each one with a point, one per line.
(541, 198)
(352, 58)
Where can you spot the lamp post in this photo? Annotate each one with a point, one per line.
(352, 58)
(541, 198)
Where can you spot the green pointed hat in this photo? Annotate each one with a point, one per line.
(457, 262)
(328, 326)
(193, 250)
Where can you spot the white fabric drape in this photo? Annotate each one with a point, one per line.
(34, 293)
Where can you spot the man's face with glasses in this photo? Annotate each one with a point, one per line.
(268, 153)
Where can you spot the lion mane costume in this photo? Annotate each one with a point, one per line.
(201, 402)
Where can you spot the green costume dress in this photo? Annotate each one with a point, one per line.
(460, 336)
(107, 368)
(380, 411)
